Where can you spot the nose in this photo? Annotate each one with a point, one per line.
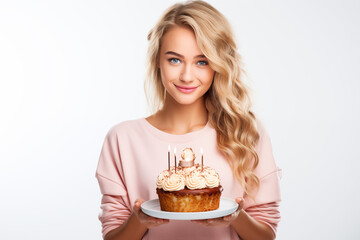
(186, 73)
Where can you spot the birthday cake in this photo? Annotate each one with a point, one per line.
(188, 187)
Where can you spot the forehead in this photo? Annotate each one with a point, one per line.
(181, 40)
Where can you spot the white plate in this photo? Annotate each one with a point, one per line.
(152, 208)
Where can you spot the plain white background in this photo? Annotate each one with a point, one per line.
(70, 70)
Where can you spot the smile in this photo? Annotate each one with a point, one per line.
(186, 89)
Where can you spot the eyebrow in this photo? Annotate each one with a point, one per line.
(181, 56)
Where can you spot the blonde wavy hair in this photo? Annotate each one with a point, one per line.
(227, 101)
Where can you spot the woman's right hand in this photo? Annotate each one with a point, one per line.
(145, 219)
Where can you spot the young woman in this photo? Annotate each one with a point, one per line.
(195, 82)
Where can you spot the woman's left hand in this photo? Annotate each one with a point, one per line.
(223, 221)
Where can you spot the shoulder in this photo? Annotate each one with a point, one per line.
(261, 127)
(127, 127)
(265, 153)
(263, 133)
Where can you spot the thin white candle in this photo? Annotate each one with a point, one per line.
(175, 158)
(202, 159)
(169, 158)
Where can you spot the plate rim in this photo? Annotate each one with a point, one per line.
(190, 215)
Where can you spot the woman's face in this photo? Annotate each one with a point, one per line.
(185, 71)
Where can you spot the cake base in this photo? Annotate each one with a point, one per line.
(187, 200)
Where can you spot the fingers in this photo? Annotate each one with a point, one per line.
(226, 220)
(151, 221)
(222, 221)
(205, 222)
(137, 205)
(229, 218)
(145, 219)
(241, 203)
(233, 216)
(212, 222)
(138, 202)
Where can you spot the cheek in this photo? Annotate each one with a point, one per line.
(207, 77)
(168, 74)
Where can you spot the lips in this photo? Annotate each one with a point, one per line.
(186, 89)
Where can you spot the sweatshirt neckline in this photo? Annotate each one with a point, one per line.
(178, 138)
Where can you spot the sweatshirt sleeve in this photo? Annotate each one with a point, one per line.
(265, 206)
(115, 206)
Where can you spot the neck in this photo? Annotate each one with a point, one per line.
(179, 119)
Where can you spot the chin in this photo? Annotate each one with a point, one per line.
(186, 101)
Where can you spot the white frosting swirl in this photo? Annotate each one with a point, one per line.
(160, 178)
(188, 170)
(174, 182)
(195, 180)
(209, 170)
(191, 177)
(212, 180)
(211, 177)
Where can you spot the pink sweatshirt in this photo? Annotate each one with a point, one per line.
(135, 152)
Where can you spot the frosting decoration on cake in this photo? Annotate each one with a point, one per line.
(187, 174)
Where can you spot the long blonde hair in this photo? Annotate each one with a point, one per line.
(227, 101)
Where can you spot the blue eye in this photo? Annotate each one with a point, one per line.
(202, 63)
(174, 60)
